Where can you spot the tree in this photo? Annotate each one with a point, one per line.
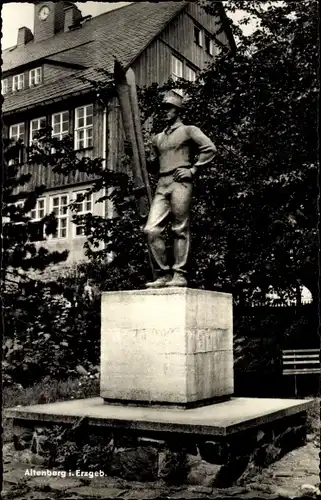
(254, 216)
(46, 323)
(261, 107)
(19, 234)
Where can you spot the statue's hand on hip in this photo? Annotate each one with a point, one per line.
(182, 174)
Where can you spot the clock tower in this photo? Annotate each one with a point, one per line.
(49, 19)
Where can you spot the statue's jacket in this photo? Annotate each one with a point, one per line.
(172, 148)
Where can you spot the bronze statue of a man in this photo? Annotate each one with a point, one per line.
(172, 149)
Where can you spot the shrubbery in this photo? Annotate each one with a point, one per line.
(51, 329)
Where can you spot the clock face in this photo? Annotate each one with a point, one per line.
(44, 13)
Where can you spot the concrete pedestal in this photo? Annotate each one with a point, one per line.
(166, 346)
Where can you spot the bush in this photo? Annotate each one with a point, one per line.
(52, 329)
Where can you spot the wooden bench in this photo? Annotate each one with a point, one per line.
(300, 362)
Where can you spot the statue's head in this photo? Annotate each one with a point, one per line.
(172, 106)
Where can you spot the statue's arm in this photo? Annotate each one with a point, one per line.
(205, 146)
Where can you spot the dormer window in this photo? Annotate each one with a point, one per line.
(198, 36)
(35, 77)
(4, 86)
(18, 82)
(209, 45)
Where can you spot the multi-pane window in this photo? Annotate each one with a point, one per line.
(59, 206)
(4, 86)
(16, 214)
(35, 126)
(35, 77)
(18, 82)
(37, 229)
(82, 207)
(190, 74)
(177, 72)
(198, 36)
(84, 127)
(208, 45)
(38, 212)
(60, 124)
(177, 68)
(16, 133)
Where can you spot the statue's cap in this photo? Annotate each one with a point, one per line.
(172, 100)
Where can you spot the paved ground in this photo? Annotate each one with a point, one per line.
(284, 478)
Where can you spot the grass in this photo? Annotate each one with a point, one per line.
(46, 392)
(50, 391)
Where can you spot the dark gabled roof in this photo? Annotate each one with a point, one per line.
(134, 21)
(123, 33)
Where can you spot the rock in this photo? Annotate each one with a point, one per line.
(173, 467)
(206, 490)
(309, 490)
(147, 441)
(15, 476)
(81, 370)
(232, 471)
(37, 459)
(46, 483)
(260, 435)
(291, 438)
(272, 454)
(138, 464)
(39, 483)
(187, 494)
(145, 494)
(237, 491)
(22, 437)
(284, 492)
(89, 492)
(266, 454)
(24, 457)
(8, 452)
(108, 482)
(13, 491)
(201, 472)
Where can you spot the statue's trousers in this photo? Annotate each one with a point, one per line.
(171, 199)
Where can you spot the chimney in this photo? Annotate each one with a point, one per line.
(72, 17)
(24, 36)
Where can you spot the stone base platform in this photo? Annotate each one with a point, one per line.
(216, 445)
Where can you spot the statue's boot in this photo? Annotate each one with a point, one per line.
(160, 282)
(177, 280)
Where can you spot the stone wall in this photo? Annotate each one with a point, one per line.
(171, 458)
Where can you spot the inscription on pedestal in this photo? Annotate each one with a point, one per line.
(149, 360)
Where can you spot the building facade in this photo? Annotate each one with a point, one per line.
(46, 81)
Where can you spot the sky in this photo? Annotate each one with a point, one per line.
(16, 15)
